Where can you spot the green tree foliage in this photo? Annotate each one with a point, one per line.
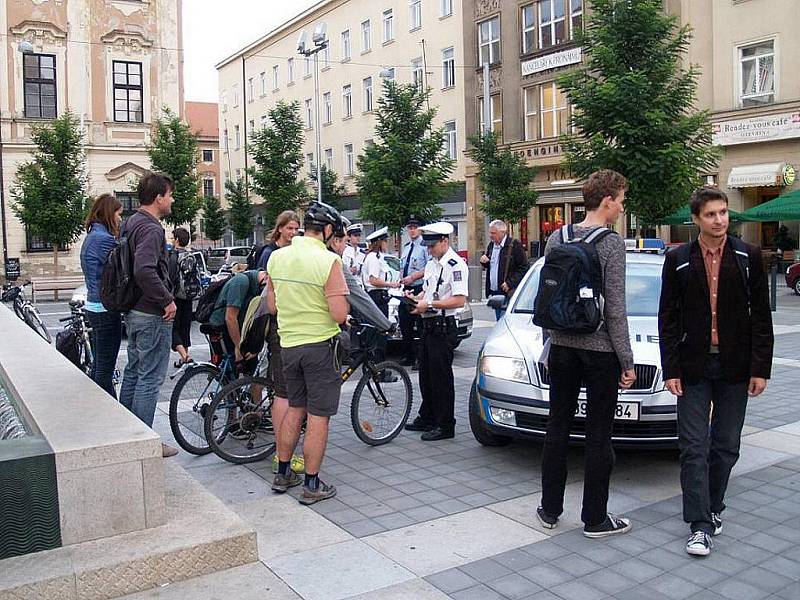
(505, 179)
(174, 152)
(240, 209)
(406, 170)
(213, 219)
(50, 191)
(332, 190)
(277, 152)
(635, 106)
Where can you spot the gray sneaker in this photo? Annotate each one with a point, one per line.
(282, 483)
(323, 492)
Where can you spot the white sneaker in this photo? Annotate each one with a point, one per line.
(716, 520)
(699, 544)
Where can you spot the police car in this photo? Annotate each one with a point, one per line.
(509, 397)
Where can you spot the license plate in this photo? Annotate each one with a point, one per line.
(625, 411)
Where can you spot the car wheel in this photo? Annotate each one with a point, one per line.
(480, 431)
(797, 286)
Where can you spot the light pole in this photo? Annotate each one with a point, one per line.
(320, 39)
(25, 48)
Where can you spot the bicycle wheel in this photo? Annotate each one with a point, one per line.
(238, 425)
(34, 321)
(188, 406)
(381, 403)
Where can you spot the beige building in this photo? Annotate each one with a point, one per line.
(411, 40)
(114, 64)
(202, 118)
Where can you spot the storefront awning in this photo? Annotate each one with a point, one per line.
(683, 216)
(770, 174)
(782, 208)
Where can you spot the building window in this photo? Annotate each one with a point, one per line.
(289, 71)
(388, 25)
(367, 83)
(366, 36)
(347, 101)
(528, 21)
(225, 138)
(349, 165)
(530, 106)
(250, 92)
(129, 201)
(449, 143)
(326, 57)
(307, 66)
(447, 8)
(329, 159)
(275, 80)
(390, 73)
(575, 17)
(208, 155)
(309, 114)
(224, 101)
(757, 68)
(417, 76)
(448, 68)
(40, 86)
(552, 23)
(327, 106)
(237, 138)
(489, 41)
(554, 111)
(368, 144)
(310, 162)
(262, 77)
(495, 114)
(37, 244)
(346, 45)
(236, 95)
(263, 121)
(208, 188)
(415, 14)
(128, 92)
(252, 125)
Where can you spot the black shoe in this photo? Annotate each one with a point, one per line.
(716, 520)
(545, 520)
(437, 433)
(699, 544)
(611, 526)
(418, 425)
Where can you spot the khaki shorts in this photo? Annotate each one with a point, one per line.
(275, 367)
(312, 380)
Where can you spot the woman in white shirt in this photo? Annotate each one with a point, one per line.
(373, 275)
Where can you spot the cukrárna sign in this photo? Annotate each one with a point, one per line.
(757, 129)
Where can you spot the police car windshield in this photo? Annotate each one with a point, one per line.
(642, 290)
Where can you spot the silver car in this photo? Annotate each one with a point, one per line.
(510, 395)
(226, 255)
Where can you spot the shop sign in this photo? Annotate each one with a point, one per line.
(757, 129)
(551, 61)
(12, 268)
(788, 175)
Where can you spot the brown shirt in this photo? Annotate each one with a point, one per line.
(712, 257)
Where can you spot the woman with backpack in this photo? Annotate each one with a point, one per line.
(102, 228)
(182, 325)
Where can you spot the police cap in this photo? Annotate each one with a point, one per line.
(378, 235)
(414, 221)
(435, 231)
(355, 229)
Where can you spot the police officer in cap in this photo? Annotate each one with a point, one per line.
(413, 259)
(445, 290)
(353, 256)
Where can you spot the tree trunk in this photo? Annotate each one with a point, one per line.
(55, 269)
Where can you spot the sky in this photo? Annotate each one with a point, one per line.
(215, 29)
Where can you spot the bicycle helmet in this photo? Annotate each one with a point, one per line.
(321, 214)
(340, 229)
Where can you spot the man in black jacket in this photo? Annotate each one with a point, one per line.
(715, 332)
(504, 261)
(149, 324)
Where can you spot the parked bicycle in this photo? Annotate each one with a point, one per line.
(24, 309)
(74, 341)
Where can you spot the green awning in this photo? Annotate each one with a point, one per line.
(782, 208)
(683, 216)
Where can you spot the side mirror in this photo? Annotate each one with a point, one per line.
(497, 302)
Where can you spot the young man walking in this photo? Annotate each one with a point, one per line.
(182, 324)
(715, 334)
(505, 262)
(149, 323)
(307, 290)
(601, 361)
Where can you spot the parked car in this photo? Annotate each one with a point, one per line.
(793, 277)
(509, 397)
(227, 254)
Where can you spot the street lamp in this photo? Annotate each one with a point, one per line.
(319, 39)
(24, 47)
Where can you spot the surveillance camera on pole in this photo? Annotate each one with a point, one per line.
(301, 42)
(320, 36)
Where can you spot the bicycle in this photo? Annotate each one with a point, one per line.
(238, 424)
(74, 340)
(24, 309)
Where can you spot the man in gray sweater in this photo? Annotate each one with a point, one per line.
(601, 361)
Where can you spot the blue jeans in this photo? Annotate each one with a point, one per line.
(106, 337)
(149, 337)
(709, 442)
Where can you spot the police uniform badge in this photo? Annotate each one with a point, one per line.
(456, 275)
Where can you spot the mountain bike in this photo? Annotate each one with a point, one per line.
(24, 309)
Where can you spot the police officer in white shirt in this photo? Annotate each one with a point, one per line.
(446, 290)
(353, 256)
(413, 259)
(373, 276)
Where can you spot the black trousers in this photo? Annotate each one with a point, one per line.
(410, 326)
(105, 337)
(381, 299)
(182, 325)
(599, 372)
(709, 452)
(436, 381)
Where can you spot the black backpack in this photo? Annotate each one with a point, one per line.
(570, 295)
(207, 302)
(67, 344)
(118, 290)
(255, 254)
(185, 275)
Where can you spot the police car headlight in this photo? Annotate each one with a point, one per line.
(503, 367)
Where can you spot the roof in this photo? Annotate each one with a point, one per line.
(203, 118)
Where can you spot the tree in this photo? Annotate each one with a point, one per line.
(174, 152)
(50, 192)
(240, 209)
(332, 190)
(406, 170)
(505, 179)
(277, 152)
(213, 219)
(634, 106)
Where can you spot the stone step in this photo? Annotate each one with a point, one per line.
(201, 536)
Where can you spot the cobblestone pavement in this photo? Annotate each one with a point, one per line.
(454, 519)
